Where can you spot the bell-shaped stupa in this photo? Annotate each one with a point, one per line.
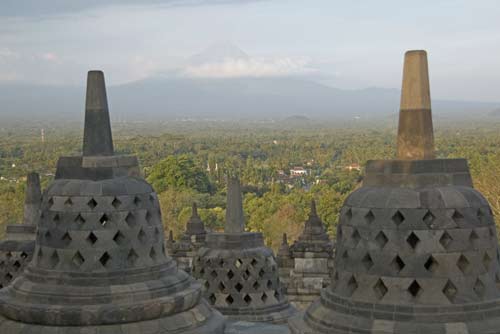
(312, 255)
(240, 274)
(100, 264)
(417, 249)
(16, 250)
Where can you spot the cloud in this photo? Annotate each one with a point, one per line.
(250, 67)
(40, 8)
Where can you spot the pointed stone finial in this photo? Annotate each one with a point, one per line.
(235, 219)
(285, 239)
(194, 210)
(97, 138)
(415, 131)
(32, 199)
(313, 212)
(171, 236)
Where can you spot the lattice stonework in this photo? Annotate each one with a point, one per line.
(239, 282)
(429, 256)
(12, 264)
(100, 233)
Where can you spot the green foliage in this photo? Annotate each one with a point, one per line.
(179, 172)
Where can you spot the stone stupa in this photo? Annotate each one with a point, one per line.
(240, 274)
(100, 264)
(285, 262)
(312, 254)
(185, 250)
(417, 249)
(16, 249)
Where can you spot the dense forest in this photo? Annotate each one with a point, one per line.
(187, 162)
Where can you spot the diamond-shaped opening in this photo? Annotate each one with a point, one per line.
(130, 219)
(221, 262)
(152, 254)
(246, 274)
(24, 255)
(463, 264)
(104, 259)
(238, 263)
(8, 255)
(381, 239)
(269, 284)
(356, 237)
(78, 259)
(473, 238)
(207, 285)
(254, 262)
(92, 203)
(370, 217)
(116, 203)
(429, 218)
(398, 218)
(367, 261)
(79, 219)
(212, 299)
(487, 261)
(230, 274)
(264, 297)
(413, 240)
(277, 295)
(348, 215)
(104, 220)
(238, 286)
(149, 217)
(142, 236)
(261, 272)
(352, 285)
(247, 299)
(397, 264)
(17, 265)
(8, 277)
(445, 240)
(414, 289)
(457, 216)
(119, 238)
(380, 289)
(50, 202)
(137, 201)
(92, 238)
(66, 239)
(213, 273)
(431, 264)
(132, 257)
(68, 202)
(222, 287)
(229, 300)
(450, 291)
(48, 235)
(345, 255)
(56, 218)
(256, 285)
(479, 288)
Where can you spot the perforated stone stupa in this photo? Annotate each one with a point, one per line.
(100, 264)
(239, 273)
(312, 254)
(185, 250)
(16, 250)
(417, 249)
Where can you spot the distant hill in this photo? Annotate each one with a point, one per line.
(494, 113)
(177, 97)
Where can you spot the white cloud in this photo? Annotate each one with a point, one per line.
(251, 67)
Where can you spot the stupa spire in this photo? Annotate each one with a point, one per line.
(97, 138)
(235, 219)
(32, 199)
(415, 133)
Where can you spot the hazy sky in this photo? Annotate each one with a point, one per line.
(346, 44)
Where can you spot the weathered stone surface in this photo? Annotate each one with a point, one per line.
(417, 252)
(285, 262)
(415, 134)
(239, 274)
(100, 264)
